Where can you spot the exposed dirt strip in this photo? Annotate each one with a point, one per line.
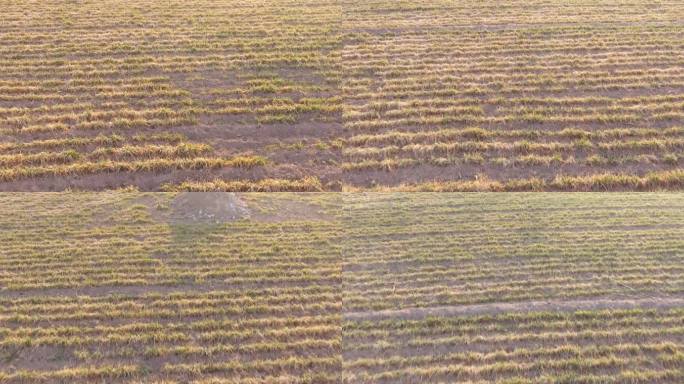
(161, 289)
(526, 306)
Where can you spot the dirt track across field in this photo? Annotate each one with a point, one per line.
(526, 306)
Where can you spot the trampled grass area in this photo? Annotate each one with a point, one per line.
(330, 95)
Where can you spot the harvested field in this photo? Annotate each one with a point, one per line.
(97, 95)
(116, 288)
(605, 346)
(342, 95)
(341, 288)
(513, 288)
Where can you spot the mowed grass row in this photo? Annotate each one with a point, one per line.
(590, 346)
(380, 94)
(230, 334)
(513, 288)
(137, 249)
(213, 70)
(332, 288)
(529, 96)
(122, 290)
(423, 250)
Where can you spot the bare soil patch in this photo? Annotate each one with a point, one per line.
(208, 208)
(37, 357)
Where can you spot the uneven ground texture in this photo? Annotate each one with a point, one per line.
(336, 94)
(514, 288)
(341, 288)
(130, 288)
